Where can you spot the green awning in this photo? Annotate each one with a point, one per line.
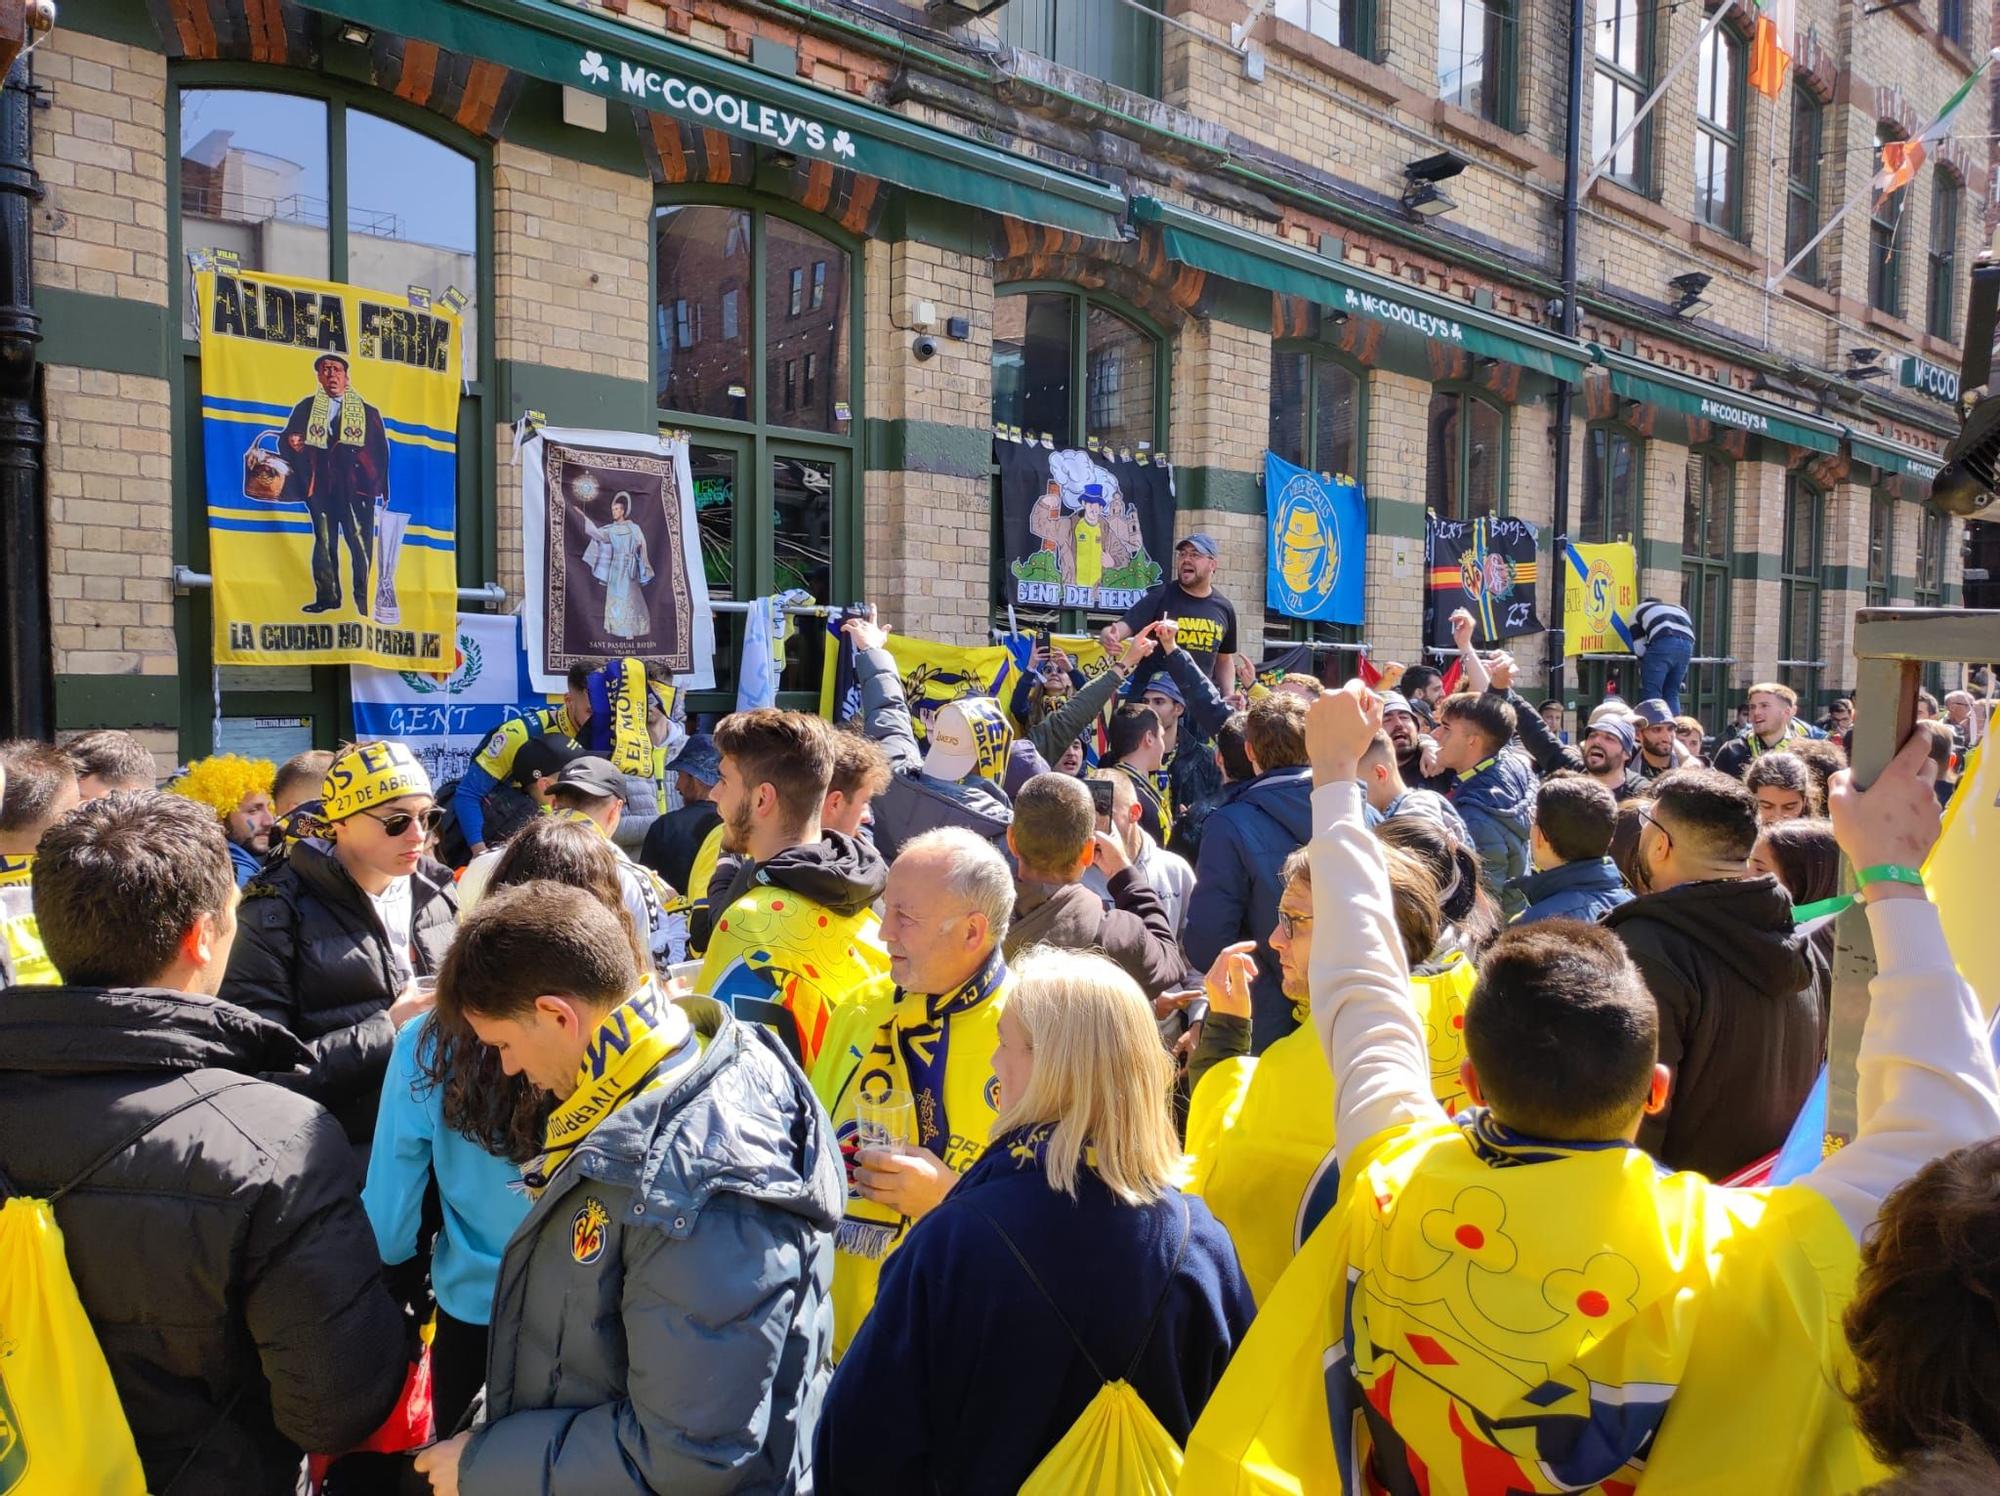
(1893, 459)
(1273, 265)
(562, 44)
(1635, 379)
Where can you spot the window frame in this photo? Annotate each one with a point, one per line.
(1282, 628)
(1357, 20)
(1951, 21)
(1705, 695)
(1807, 670)
(328, 698)
(1882, 544)
(1735, 138)
(1941, 262)
(1885, 240)
(1500, 24)
(1082, 299)
(1807, 189)
(757, 440)
(1462, 458)
(1640, 84)
(1621, 431)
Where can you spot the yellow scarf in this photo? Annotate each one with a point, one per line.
(1503, 1314)
(640, 1044)
(353, 420)
(17, 872)
(939, 1049)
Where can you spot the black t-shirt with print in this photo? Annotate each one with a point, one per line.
(1207, 628)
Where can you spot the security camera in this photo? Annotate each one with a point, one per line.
(925, 347)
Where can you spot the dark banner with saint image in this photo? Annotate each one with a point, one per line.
(618, 581)
(1083, 527)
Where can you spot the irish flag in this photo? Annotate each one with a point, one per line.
(1771, 49)
(1901, 158)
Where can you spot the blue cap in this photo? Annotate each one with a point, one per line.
(1202, 542)
(1653, 712)
(1614, 727)
(699, 758)
(1164, 683)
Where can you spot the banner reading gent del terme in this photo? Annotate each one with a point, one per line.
(329, 420)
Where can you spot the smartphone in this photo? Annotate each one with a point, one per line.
(1100, 795)
(685, 971)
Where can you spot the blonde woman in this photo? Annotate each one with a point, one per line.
(976, 1362)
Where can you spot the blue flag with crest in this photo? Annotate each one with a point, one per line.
(1316, 543)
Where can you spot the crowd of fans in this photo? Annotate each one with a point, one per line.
(881, 1101)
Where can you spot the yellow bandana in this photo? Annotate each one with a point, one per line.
(370, 774)
(638, 1045)
(353, 420)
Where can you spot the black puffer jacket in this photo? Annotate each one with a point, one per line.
(312, 956)
(223, 1259)
(1740, 1024)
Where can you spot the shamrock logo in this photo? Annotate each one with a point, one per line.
(843, 144)
(593, 66)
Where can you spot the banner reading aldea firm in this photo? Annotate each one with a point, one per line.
(329, 421)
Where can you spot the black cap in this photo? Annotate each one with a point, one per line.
(547, 754)
(598, 777)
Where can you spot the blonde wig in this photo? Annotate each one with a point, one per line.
(222, 781)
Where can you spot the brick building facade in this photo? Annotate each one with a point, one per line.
(1226, 262)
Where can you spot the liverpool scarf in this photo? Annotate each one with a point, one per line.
(353, 421)
(641, 1043)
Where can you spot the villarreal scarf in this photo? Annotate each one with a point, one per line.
(618, 710)
(353, 429)
(640, 1044)
(937, 1048)
(17, 872)
(1487, 1313)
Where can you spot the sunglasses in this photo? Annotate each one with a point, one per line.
(398, 823)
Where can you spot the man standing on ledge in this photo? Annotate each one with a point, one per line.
(339, 454)
(1207, 619)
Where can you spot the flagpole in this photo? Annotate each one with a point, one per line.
(1814, 243)
(1603, 164)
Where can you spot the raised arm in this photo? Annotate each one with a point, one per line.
(885, 714)
(1477, 677)
(1927, 1083)
(1359, 975)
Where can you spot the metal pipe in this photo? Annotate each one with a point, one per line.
(1566, 325)
(27, 662)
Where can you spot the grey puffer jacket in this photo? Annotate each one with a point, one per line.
(688, 1346)
(916, 802)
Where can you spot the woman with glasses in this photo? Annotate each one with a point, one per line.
(339, 936)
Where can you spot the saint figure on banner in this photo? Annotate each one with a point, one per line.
(338, 454)
(617, 557)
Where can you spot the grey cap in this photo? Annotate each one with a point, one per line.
(596, 777)
(1653, 712)
(1396, 701)
(1616, 727)
(1203, 542)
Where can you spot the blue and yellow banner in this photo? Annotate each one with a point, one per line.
(329, 420)
(1316, 549)
(1598, 602)
(932, 674)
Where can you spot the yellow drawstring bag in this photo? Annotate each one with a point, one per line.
(1116, 1447)
(62, 1429)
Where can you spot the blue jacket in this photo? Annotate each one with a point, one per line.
(245, 863)
(480, 1193)
(1238, 879)
(663, 1319)
(1577, 890)
(963, 1377)
(1498, 807)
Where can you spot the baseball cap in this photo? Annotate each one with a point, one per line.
(1616, 727)
(547, 754)
(1653, 712)
(1396, 701)
(1164, 683)
(699, 758)
(1203, 542)
(968, 735)
(596, 777)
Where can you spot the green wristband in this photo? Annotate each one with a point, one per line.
(1887, 872)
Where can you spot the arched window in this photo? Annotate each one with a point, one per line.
(753, 354)
(1940, 300)
(1802, 180)
(331, 183)
(1074, 366)
(1622, 80)
(1318, 421)
(1466, 468)
(1718, 141)
(1885, 240)
(1708, 550)
(1881, 547)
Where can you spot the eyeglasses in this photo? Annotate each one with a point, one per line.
(1290, 923)
(1647, 816)
(399, 822)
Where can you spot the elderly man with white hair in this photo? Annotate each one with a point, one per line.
(906, 1067)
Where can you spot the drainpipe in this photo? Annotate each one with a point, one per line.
(1566, 324)
(27, 679)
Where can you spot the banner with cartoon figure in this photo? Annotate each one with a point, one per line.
(612, 554)
(1486, 566)
(329, 418)
(1316, 544)
(443, 717)
(1601, 592)
(1083, 527)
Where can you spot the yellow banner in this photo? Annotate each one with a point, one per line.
(932, 674)
(1599, 594)
(1959, 875)
(329, 418)
(1085, 650)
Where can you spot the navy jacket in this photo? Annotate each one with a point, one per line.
(962, 1378)
(1498, 807)
(1586, 890)
(1238, 880)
